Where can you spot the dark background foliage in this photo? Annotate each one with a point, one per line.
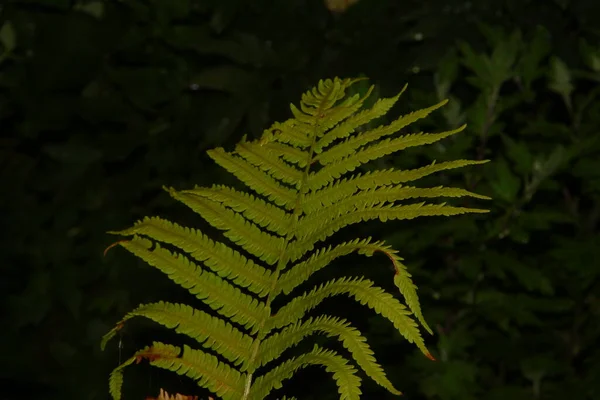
(103, 102)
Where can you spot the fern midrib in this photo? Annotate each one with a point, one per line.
(284, 254)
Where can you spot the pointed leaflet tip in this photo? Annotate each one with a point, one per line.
(403, 89)
(352, 81)
(113, 245)
(432, 358)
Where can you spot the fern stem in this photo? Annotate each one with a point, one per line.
(284, 258)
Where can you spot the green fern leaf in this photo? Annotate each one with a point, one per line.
(365, 293)
(300, 272)
(115, 381)
(252, 208)
(381, 107)
(351, 338)
(269, 162)
(344, 188)
(350, 146)
(318, 233)
(407, 288)
(340, 166)
(370, 199)
(212, 332)
(236, 228)
(221, 297)
(254, 178)
(206, 370)
(344, 374)
(304, 190)
(223, 260)
(293, 155)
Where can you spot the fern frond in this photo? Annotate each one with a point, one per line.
(381, 212)
(212, 332)
(350, 146)
(371, 180)
(269, 162)
(317, 105)
(288, 153)
(206, 370)
(290, 209)
(363, 291)
(370, 199)
(324, 116)
(225, 299)
(339, 167)
(254, 178)
(407, 288)
(115, 381)
(326, 94)
(347, 381)
(297, 134)
(317, 113)
(220, 258)
(301, 271)
(236, 228)
(253, 208)
(158, 350)
(381, 107)
(351, 338)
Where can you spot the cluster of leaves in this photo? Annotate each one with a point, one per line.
(514, 297)
(101, 103)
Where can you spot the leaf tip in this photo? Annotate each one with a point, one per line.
(113, 245)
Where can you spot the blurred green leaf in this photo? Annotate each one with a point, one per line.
(454, 344)
(93, 8)
(529, 65)
(455, 381)
(538, 367)
(224, 15)
(519, 154)
(241, 48)
(562, 3)
(591, 55)
(453, 113)
(503, 58)
(446, 74)
(528, 276)
(492, 71)
(74, 153)
(506, 185)
(167, 11)
(8, 37)
(544, 167)
(560, 80)
(480, 64)
(494, 35)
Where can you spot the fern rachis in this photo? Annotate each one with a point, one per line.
(300, 173)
